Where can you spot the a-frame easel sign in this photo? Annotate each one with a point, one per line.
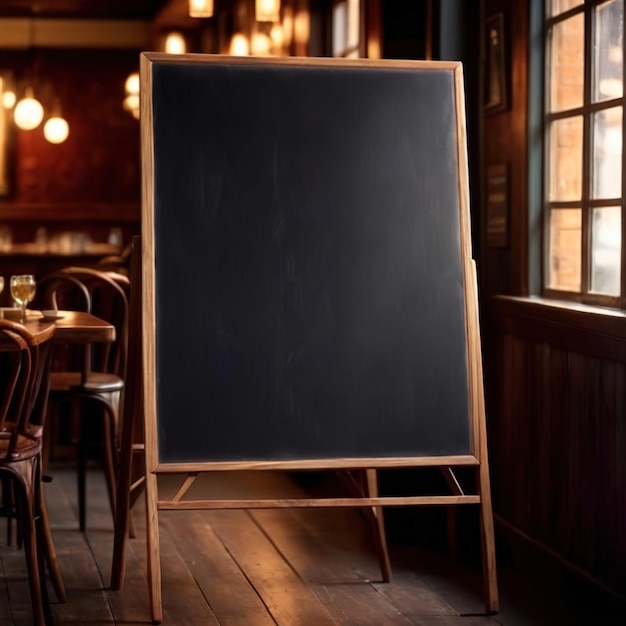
(309, 294)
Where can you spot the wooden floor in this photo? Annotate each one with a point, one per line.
(267, 567)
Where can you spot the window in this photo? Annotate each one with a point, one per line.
(584, 174)
(346, 27)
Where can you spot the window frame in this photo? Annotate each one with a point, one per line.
(586, 203)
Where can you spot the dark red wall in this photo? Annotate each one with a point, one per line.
(91, 182)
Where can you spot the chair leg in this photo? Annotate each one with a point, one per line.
(52, 420)
(50, 552)
(24, 477)
(82, 476)
(110, 447)
(109, 417)
(8, 505)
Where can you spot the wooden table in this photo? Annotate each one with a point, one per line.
(71, 327)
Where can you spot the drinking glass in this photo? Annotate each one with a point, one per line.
(1, 284)
(23, 291)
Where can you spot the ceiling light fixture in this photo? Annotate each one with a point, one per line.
(28, 111)
(131, 100)
(175, 43)
(56, 129)
(267, 10)
(200, 8)
(239, 45)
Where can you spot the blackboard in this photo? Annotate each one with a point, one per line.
(308, 255)
(309, 299)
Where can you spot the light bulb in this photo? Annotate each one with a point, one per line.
(267, 10)
(175, 44)
(277, 36)
(261, 44)
(239, 46)
(132, 83)
(56, 130)
(28, 112)
(8, 99)
(131, 103)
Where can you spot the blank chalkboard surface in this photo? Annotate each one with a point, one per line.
(308, 292)
(308, 271)
(307, 258)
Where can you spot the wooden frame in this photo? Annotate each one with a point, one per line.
(6, 133)
(498, 207)
(495, 76)
(188, 471)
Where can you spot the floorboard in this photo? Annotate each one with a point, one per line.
(273, 567)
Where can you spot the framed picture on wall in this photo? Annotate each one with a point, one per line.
(496, 75)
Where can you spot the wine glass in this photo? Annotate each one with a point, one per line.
(23, 288)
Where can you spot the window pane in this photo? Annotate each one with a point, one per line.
(567, 64)
(566, 158)
(559, 6)
(606, 244)
(353, 24)
(607, 51)
(565, 246)
(607, 153)
(339, 28)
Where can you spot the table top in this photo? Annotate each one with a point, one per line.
(71, 327)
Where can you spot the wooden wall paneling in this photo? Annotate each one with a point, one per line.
(617, 572)
(505, 141)
(610, 555)
(570, 326)
(558, 451)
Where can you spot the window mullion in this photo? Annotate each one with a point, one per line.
(587, 143)
(622, 299)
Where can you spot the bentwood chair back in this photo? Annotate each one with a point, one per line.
(23, 387)
(99, 382)
(62, 292)
(108, 300)
(131, 478)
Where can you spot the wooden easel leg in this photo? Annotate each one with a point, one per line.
(154, 549)
(487, 538)
(380, 536)
(455, 489)
(451, 531)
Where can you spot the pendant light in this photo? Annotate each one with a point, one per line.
(8, 99)
(28, 112)
(56, 129)
(131, 101)
(175, 43)
(239, 45)
(267, 10)
(200, 8)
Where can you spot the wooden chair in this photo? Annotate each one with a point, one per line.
(23, 393)
(131, 480)
(98, 380)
